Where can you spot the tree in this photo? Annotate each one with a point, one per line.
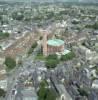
(51, 63)
(3, 35)
(1, 17)
(42, 90)
(0, 47)
(97, 71)
(50, 95)
(75, 22)
(53, 56)
(45, 93)
(20, 63)
(41, 93)
(41, 37)
(68, 56)
(10, 63)
(32, 48)
(34, 45)
(83, 92)
(94, 26)
(17, 16)
(2, 93)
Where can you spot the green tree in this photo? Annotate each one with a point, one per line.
(41, 37)
(42, 90)
(68, 56)
(0, 47)
(83, 92)
(41, 93)
(53, 56)
(97, 71)
(17, 16)
(3, 35)
(20, 63)
(34, 45)
(32, 48)
(1, 18)
(10, 63)
(50, 95)
(2, 93)
(75, 22)
(94, 26)
(45, 93)
(51, 63)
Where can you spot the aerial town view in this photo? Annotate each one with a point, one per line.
(48, 49)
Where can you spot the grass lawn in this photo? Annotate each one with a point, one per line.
(40, 57)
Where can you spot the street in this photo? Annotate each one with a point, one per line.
(12, 78)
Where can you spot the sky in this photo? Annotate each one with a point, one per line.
(54, 0)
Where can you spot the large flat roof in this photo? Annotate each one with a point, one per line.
(55, 42)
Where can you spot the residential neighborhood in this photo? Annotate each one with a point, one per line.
(48, 50)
